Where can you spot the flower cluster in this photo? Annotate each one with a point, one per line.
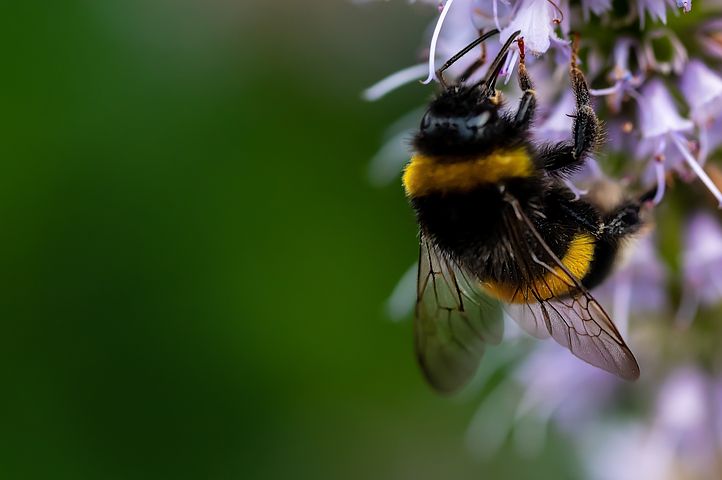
(654, 66)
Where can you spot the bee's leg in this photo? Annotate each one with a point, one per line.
(527, 105)
(623, 221)
(586, 129)
(567, 157)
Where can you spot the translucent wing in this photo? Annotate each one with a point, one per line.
(576, 321)
(454, 321)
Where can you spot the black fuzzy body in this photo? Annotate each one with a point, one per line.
(471, 227)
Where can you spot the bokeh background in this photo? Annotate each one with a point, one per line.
(192, 260)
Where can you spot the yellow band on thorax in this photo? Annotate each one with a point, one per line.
(424, 175)
(577, 260)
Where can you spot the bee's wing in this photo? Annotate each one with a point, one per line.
(576, 321)
(454, 321)
(528, 318)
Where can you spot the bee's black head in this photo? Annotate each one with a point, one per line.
(459, 121)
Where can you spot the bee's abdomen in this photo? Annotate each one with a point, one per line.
(577, 260)
(430, 175)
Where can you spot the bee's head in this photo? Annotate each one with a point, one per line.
(465, 119)
(458, 120)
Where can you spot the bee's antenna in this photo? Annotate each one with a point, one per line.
(498, 62)
(462, 52)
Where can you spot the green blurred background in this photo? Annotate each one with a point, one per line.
(193, 264)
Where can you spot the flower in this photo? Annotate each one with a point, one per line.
(667, 38)
(598, 7)
(701, 266)
(536, 20)
(663, 129)
(678, 441)
(661, 81)
(626, 50)
(638, 287)
(702, 89)
(657, 10)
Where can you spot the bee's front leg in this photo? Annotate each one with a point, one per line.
(586, 129)
(527, 105)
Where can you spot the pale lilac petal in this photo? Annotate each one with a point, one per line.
(488, 14)
(679, 53)
(597, 7)
(658, 114)
(709, 35)
(657, 10)
(702, 88)
(394, 81)
(535, 19)
(558, 124)
(434, 40)
(702, 258)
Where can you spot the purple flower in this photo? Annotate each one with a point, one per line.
(709, 35)
(550, 385)
(557, 126)
(638, 287)
(597, 7)
(537, 20)
(678, 441)
(625, 80)
(701, 266)
(663, 129)
(702, 88)
(488, 14)
(657, 10)
(679, 57)
(568, 392)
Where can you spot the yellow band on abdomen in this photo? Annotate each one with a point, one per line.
(425, 175)
(577, 260)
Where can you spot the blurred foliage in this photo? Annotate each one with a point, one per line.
(193, 265)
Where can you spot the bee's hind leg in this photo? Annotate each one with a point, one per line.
(625, 220)
(586, 129)
(527, 105)
(565, 158)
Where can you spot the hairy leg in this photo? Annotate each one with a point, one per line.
(527, 105)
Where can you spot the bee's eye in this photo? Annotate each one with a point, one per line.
(478, 121)
(426, 121)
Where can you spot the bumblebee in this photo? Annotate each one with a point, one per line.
(500, 230)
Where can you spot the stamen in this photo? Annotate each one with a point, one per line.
(703, 144)
(393, 81)
(509, 65)
(698, 170)
(557, 21)
(601, 92)
(434, 39)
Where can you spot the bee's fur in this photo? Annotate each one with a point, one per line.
(467, 125)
